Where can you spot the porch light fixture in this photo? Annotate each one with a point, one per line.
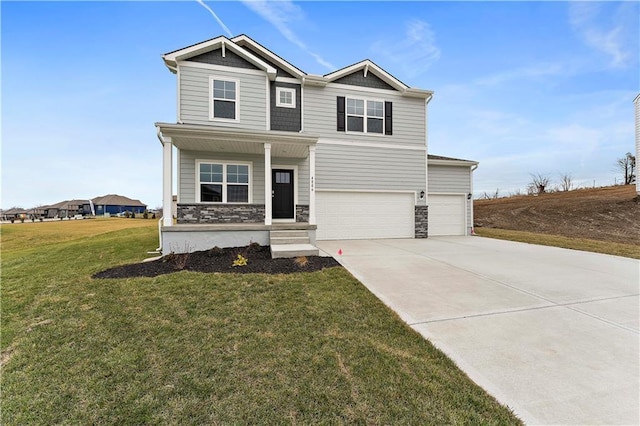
(422, 195)
(469, 195)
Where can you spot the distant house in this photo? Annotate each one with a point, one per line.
(36, 212)
(114, 204)
(636, 101)
(67, 208)
(13, 214)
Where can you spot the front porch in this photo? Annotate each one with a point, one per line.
(235, 186)
(185, 238)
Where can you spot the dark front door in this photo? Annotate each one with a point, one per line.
(282, 185)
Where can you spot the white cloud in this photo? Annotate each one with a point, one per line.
(587, 20)
(282, 14)
(224, 27)
(415, 52)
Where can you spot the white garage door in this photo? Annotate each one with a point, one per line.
(447, 215)
(361, 215)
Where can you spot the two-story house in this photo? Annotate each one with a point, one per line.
(267, 153)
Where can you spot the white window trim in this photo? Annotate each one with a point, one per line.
(211, 99)
(293, 97)
(364, 117)
(224, 180)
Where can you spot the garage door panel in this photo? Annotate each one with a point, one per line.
(361, 215)
(447, 215)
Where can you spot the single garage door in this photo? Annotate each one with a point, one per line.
(362, 215)
(447, 215)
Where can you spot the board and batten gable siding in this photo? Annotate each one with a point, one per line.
(194, 97)
(451, 180)
(282, 118)
(187, 171)
(347, 167)
(320, 112)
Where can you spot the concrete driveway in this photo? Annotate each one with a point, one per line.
(551, 333)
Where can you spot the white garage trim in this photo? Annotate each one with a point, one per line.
(447, 214)
(359, 214)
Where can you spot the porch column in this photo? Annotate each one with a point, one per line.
(267, 184)
(312, 185)
(167, 181)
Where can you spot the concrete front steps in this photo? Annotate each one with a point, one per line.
(291, 243)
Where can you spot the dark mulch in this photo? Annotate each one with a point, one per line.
(221, 260)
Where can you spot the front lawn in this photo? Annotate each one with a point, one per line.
(207, 348)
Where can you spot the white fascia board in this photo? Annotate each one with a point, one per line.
(418, 93)
(462, 163)
(372, 67)
(242, 40)
(314, 80)
(171, 59)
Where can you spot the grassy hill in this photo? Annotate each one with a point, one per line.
(610, 214)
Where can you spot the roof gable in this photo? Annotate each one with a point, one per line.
(116, 200)
(366, 67)
(230, 59)
(171, 59)
(268, 56)
(358, 78)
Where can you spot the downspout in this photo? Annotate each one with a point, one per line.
(473, 168)
(159, 249)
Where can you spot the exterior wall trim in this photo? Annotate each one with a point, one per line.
(372, 144)
(212, 67)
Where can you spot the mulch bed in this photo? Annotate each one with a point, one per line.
(221, 260)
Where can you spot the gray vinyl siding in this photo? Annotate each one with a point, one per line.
(320, 112)
(367, 168)
(187, 170)
(194, 97)
(451, 180)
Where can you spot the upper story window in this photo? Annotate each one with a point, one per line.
(364, 116)
(285, 97)
(223, 182)
(224, 99)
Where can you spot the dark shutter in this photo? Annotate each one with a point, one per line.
(388, 119)
(341, 114)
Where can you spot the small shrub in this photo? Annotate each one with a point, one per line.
(301, 261)
(240, 261)
(216, 252)
(253, 247)
(145, 215)
(179, 261)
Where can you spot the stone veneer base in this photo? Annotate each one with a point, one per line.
(421, 221)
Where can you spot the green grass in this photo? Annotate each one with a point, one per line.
(605, 247)
(308, 348)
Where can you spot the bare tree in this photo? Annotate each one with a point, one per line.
(566, 182)
(627, 165)
(539, 183)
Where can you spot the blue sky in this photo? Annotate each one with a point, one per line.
(521, 87)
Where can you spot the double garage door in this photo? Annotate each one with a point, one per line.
(364, 215)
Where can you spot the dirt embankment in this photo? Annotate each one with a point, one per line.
(606, 214)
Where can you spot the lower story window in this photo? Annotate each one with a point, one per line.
(223, 183)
